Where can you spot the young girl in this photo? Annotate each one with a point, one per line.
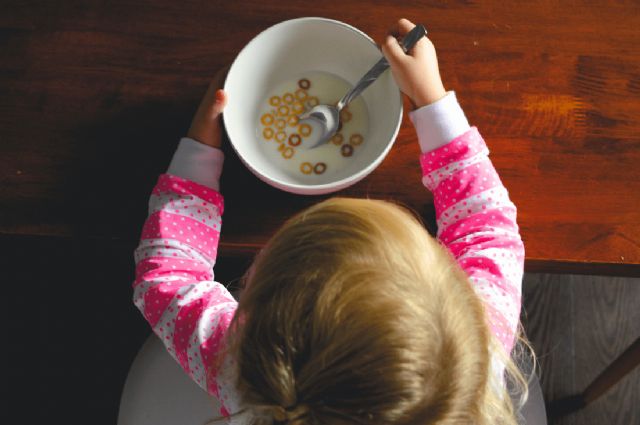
(353, 313)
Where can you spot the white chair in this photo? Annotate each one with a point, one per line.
(158, 392)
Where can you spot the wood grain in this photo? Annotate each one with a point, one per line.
(578, 326)
(547, 316)
(96, 94)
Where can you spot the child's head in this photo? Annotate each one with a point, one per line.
(353, 313)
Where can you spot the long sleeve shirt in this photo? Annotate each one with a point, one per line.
(175, 290)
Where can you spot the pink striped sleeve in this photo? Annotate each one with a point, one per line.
(174, 287)
(477, 223)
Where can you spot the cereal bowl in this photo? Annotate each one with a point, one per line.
(287, 69)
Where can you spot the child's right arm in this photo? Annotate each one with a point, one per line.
(476, 219)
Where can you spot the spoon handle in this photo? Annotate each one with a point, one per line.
(407, 43)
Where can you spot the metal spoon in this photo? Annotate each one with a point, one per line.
(328, 116)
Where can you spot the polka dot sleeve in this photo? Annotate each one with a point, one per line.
(174, 287)
(477, 223)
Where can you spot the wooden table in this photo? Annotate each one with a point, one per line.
(94, 96)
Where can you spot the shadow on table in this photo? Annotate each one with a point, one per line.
(119, 160)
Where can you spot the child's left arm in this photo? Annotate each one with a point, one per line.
(174, 286)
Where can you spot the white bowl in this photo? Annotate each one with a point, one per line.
(284, 52)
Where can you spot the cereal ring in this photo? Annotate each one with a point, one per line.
(356, 139)
(288, 98)
(346, 150)
(283, 110)
(345, 115)
(287, 152)
(301, 94)
(281, 136)
(306, 168)
(337, 139)
(281, 147)
(268, 133)
(274, 100)
(320, 168)
(297, 108)
(304, 83)
(304, 130)
(281, 123)
(312, 101)
(295, 140)
(266, 119)
(293, 120)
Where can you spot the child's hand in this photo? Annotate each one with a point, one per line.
(417, 72)
(206, 127)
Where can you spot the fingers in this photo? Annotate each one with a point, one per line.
(216, 83)
(215, 99)
(221, 75)
(404, 26)
(205, 126)
(213, 104)
(220, 102)
(401, 28)
(392, 50)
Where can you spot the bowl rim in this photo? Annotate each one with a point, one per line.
(314, 189)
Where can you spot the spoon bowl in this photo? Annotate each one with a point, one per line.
(328, 118)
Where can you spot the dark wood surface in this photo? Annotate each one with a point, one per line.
(94, 96)
(578, 326)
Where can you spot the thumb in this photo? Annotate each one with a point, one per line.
(392, 51)
(220, 102)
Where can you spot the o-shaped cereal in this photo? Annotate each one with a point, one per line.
(304, 83)
(337, 139)
(283, 110)
(297, 108)
(320, 168)
(287, 152)
(306, 168)
(356, 139)
(304, 130)
(266, 119)
(295, 140)
(274, 100)
(293, 120)
(281, 136)
(268, 133)
(312, 101)
(288, 98)
(281, 123)
(345, 115)
(301, 94)
(346, 150)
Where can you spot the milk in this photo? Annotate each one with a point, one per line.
(328, 89)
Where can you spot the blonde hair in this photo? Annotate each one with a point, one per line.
(353, 313)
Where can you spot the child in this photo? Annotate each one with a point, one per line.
(353, 313)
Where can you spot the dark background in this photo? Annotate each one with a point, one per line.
(73, 328)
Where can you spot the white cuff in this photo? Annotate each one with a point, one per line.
(197, 162)
(439, 123)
